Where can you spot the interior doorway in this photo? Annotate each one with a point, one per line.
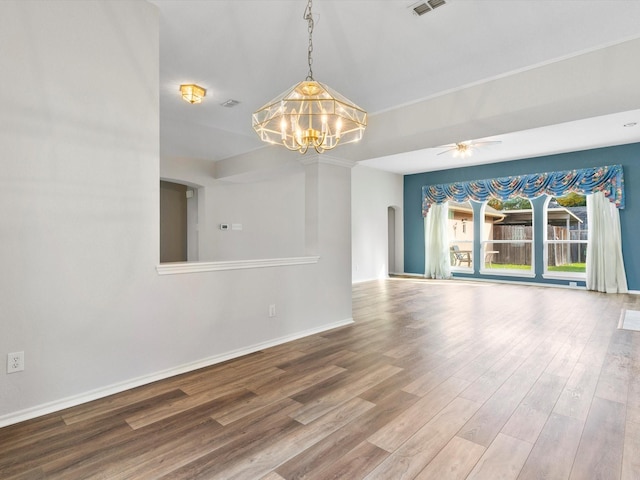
(179, 207)
(391, 240)
(173, 222)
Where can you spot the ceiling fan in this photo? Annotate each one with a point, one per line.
(465, 149)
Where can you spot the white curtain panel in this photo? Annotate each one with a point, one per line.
(437, 262)
(605, 266)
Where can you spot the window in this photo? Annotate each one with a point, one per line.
(507, 239)
(504, 242)
(566, 236)
(461, 235)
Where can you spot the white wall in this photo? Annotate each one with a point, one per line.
(79, 200)
(271, 212)
(372, 192)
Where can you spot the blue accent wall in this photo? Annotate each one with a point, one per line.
(626, 155)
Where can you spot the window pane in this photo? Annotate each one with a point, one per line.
(461, 234)
(566, 257)
(567, 233)
(508, 234)
(508, 255)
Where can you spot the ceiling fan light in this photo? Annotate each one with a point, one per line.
(466, 148)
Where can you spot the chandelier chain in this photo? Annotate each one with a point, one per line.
(308, 16)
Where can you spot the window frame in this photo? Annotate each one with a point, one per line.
(463, 227)
(555, 275)
(524, 273)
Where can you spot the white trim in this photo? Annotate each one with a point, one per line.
(355, 282)
(390, 274)
(383, 277)
(508, 273)
(197, 267)
(569, 276)
(370, 279)
(400, 275)
(459, 269)
(510, 282)
(515, 282)
(55, 406)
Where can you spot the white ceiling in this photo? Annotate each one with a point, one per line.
(389, 61)
(578, 135)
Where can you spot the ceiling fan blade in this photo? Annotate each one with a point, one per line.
(447, 151)
(488, 142)
(465, 149)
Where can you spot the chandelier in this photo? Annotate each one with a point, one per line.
(310, 114)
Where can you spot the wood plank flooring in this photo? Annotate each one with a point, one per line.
(434, 380)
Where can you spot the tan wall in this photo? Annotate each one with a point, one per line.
(459, 231)
(458, 234)
(173, 222)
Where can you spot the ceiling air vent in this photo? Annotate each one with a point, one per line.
(423, 7)
(230, 103)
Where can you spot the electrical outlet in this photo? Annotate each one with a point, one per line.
(15, 362)
(272, 311)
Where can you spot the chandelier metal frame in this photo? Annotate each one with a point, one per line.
(310, 114)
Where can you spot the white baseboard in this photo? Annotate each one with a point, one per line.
(384, 277)
(516, 282)
(535, 284)
(493, 280)
(55, 406)
(363, 280)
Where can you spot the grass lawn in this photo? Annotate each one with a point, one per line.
(509, 266)
(570, 267)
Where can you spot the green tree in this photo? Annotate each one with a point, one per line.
(517, 203)
(495, 203)
(572, 200)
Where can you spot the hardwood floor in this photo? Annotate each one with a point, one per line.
(434, 380)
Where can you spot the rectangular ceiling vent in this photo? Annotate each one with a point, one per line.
(423, 7)
(230, 103)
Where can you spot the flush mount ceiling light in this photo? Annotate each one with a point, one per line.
(192, 93)
(310, 114)
(465, 149)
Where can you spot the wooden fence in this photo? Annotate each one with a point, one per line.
(567, 253)
(519, 253)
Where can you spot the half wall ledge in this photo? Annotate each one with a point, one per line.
(198, 267)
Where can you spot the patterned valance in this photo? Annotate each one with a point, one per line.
(608, 180)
